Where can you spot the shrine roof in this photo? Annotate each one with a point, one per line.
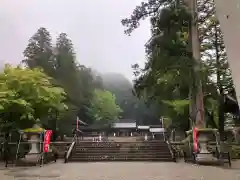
(125, 121)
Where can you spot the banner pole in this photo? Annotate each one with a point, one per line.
(77, 123)
(42, 152)
(43, 141)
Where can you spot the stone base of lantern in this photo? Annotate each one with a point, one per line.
(204, 154)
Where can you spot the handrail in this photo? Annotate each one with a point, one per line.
(169, 147)
(74, 137)
(70, 148)
(171, 151)
(218, 144)
(69, 151)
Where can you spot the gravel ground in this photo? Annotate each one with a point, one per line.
(122, 171)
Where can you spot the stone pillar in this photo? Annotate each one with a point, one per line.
(228, 13)
(145, 137)
(34, 140)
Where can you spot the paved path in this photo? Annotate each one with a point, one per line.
(120, 171)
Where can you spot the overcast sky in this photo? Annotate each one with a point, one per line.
(93, 25)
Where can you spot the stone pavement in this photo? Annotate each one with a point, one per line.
(121, 171)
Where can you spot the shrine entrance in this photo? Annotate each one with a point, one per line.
(122, 141)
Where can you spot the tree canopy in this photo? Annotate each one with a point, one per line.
(27, 95)
(168, 76)
(55, 78)
(104, 107)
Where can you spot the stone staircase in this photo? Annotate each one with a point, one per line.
(156, 150)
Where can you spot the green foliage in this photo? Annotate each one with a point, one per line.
(169, 66)
(178, 105)
(38, 52)
(132, 107)
(168, 73)
(168, 76)
(60, 63)
(104, 107)
(149, 8)
(27, 95)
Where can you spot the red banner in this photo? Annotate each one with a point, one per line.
(195, 140)
(47, 139)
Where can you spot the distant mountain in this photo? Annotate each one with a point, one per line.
(132, 107)
(116, 81)
(2, 65)
(95, 72)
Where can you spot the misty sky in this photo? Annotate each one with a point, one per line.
(93, 25)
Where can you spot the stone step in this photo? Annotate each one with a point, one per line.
(111, 141)
(132, 147)
(121, 157)
(165, 159)
(121, 143)
(121, 148)
(120, 151)
(123, 153)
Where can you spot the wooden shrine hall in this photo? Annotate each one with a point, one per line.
(121, 128)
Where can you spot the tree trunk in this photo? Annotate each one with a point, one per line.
(198, 94)
(221, 118)
(191, 107)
